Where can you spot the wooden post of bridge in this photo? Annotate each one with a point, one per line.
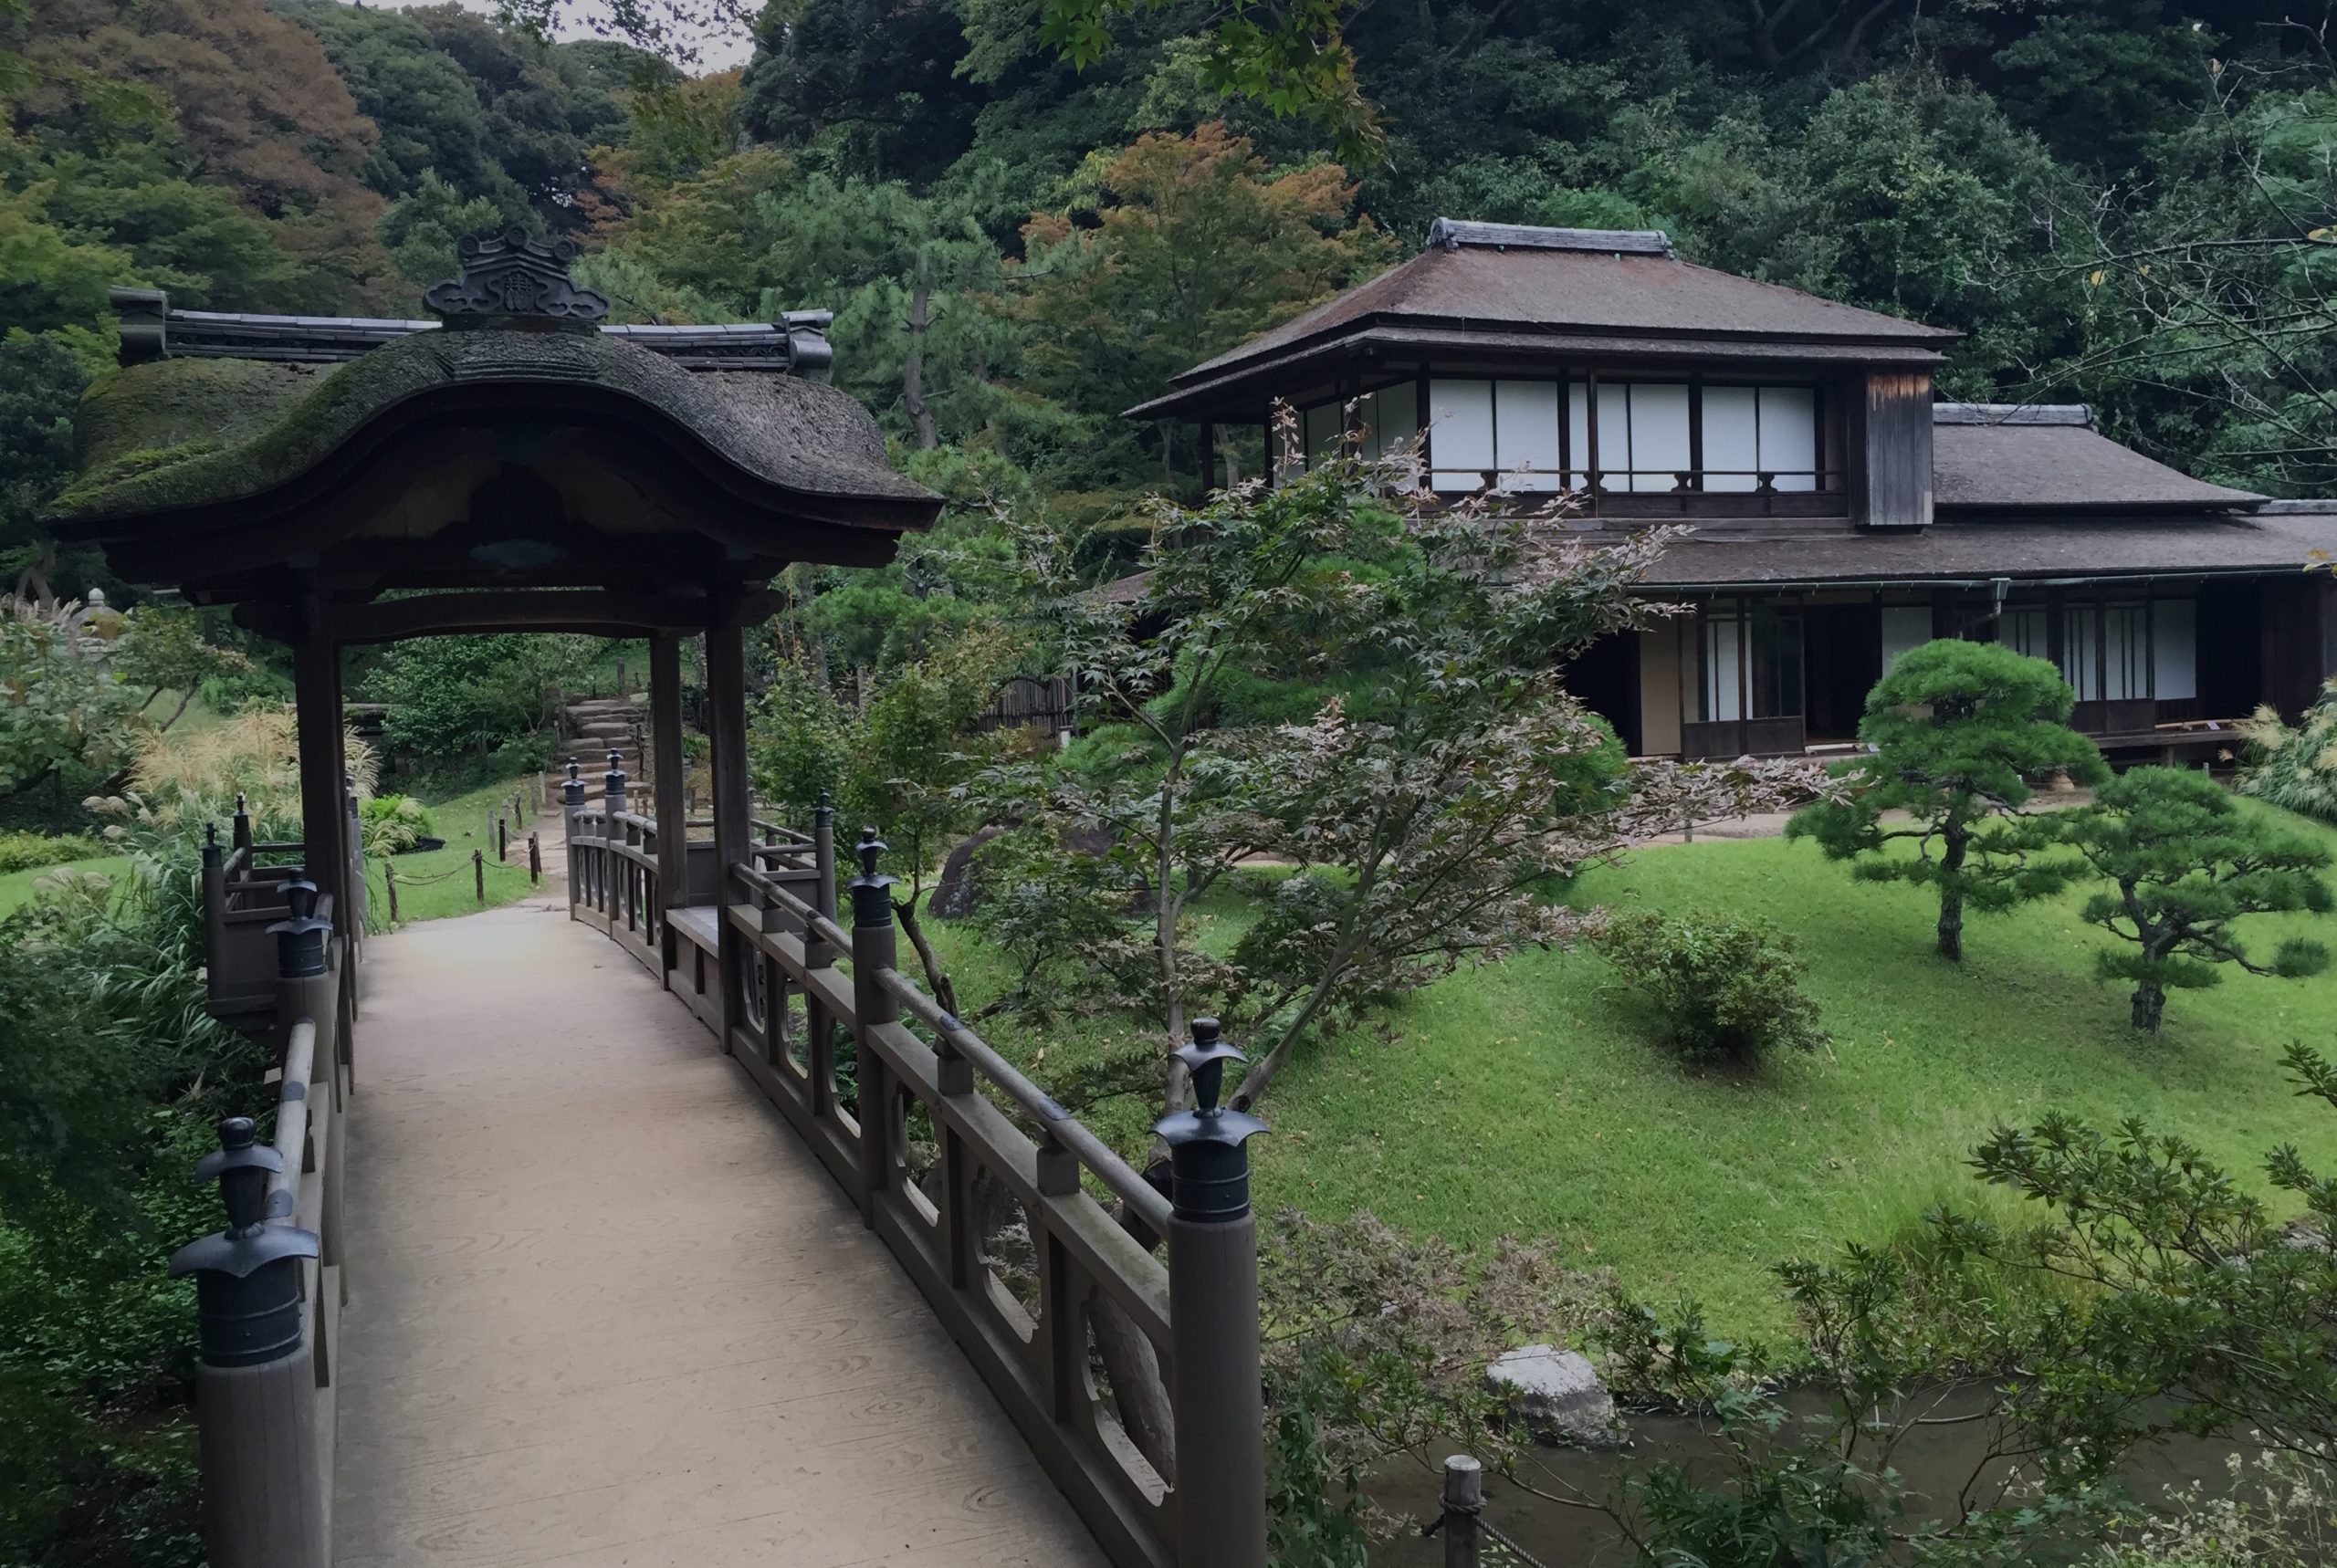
(1213, 1319)
(610, 869)
(726, 702)
(874, 950)
(819, 1029)
(265, 1459)
(571, 801)
(666, 777)
(264, 1502)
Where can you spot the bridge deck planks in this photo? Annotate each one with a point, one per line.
(604, 1309)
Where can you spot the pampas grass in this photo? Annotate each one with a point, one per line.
(180, 779)
(2297, 768)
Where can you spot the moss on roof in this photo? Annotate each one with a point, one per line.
(143, 419)
(188, 433)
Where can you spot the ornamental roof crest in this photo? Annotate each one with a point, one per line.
(515, 274)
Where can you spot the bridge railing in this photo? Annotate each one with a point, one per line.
(269, 1287)
(950, 1151)
(242, 898)
(944, 1144)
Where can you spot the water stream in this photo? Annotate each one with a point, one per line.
(1936, 1462)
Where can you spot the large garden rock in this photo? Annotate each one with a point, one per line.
(960, 892)
(1559, 1395)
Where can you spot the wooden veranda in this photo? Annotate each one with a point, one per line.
(517, 468)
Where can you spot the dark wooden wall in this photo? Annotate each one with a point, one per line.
(1891, 450)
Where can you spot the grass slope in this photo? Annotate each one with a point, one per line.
(437, 883)
(16, 886)
(1528, 1099)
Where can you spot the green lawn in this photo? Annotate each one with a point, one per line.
(439, 882)
(16, 886)
(1527, 1099)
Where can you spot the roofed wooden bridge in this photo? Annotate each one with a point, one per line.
(666, 1221)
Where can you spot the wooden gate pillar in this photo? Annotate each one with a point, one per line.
(324, 817)
(726, 700)
(667, 777)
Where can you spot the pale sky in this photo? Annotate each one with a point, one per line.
(718, 51)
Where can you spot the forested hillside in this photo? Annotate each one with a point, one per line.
(2117, 200)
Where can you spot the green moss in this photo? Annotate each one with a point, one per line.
(168, 405)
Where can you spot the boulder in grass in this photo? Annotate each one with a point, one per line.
(959, 890)
(1558, 1396)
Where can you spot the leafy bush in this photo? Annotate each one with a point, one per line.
(1728, 989)
(22, 852)
(393, 823)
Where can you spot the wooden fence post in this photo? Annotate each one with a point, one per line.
(1213, 1319)
(479, 874)
(390, 883)
(875, 950)
(1464, 1505)
(535, 860)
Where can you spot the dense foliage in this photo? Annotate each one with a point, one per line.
(490, 698)
(111, 1071)
(1024, 221)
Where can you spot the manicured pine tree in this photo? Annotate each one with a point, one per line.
(1958, 730)
(2186, 861)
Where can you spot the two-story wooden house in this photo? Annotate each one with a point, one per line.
(1836, 514)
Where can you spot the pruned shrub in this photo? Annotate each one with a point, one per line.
(22, 852)
(1725, 989)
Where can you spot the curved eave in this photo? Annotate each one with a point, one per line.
(1251, 381)
(99, 519)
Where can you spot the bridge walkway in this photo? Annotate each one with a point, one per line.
(606, 1308)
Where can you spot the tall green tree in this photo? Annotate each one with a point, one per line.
(2184, 862)
(1957, 731)
(1200, 246)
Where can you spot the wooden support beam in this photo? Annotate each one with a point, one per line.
(315, 688)
(667, 769)
(593, 611)
(726, 700)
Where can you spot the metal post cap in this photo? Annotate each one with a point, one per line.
(300, 938)
(871, 905)
(1209, 1159)
(246, 1277)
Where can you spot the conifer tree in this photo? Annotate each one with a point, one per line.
(2185, 862)
(1958, 730)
